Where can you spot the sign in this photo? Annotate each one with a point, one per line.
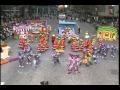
(67, 28)
(107, 33)
(32, 26)
(22, 28)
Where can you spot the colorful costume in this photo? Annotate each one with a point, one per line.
(87, 48)
(55, 45)
(21, 59)
(113, 51)
(22, 43)
(53, 39)
(74, 45)
(56, 58)
(74, 63)
(42, 45)
(59, 44)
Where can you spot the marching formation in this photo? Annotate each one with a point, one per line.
(91, 50)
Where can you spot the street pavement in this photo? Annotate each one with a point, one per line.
(106, 72)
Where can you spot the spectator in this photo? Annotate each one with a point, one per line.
(78, 30)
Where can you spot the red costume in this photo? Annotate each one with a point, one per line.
(62, 42)
(74, 46)
(22, 43)
(59, 43)
(55, 45)
(42, 45)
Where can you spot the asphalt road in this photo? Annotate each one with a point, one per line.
(106, 72)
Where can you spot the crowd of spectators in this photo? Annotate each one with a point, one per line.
(9, 19)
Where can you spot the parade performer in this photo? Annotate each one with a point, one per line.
(102, 51)
(113, 51)
(108, 49)
(34, 62)
(105, 51)
(56, 57)
(22, 43)
(29, 57)
(74, 44)
(37, 57)
(99, 43)
(95, 54)
(94, 57)
(73, 63)
(21, 59)
(59, 48)
(93, 41)
(89, 55)
(87, 42)
(53, 39)
(22, 40)
(59, 44)
(87, 48)
(42, 45)
(81, 44)
(85, 60)
(55, 45)
(27, 47)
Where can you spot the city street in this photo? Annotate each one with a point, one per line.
(105, 72)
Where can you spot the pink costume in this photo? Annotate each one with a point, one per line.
(73, 65)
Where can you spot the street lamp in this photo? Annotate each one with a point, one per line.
(66, 6)
(113, 5)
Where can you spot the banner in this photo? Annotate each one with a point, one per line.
(22, 28)
(67, 28)
(32, 26)
(37, 25)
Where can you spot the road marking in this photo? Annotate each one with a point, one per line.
(2, 83)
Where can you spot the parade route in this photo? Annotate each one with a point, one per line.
(105, 72)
